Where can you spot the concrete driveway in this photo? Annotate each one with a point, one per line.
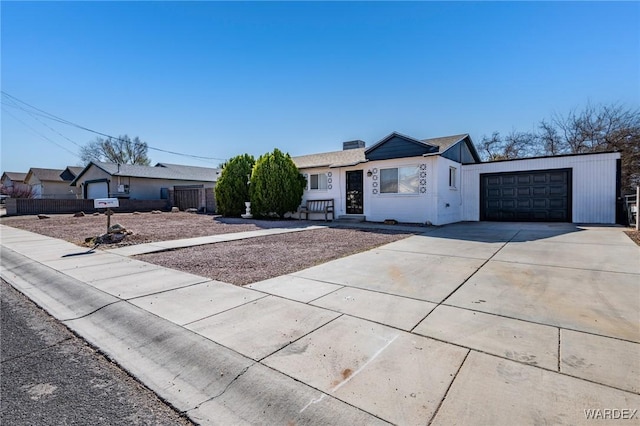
(473, 323)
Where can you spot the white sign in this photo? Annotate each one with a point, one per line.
(105, 203)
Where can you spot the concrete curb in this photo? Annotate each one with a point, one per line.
(209, 382)
(63, 297)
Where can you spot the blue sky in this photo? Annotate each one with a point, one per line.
(217, 79)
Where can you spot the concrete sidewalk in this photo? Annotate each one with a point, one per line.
(134, 250)
(475, 323)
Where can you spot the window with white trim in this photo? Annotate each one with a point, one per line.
(452, 177)
(400, 180)
(318, 182)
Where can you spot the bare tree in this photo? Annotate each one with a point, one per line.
(512, 146)
(121, 150)
(596, 128)
(17, 191)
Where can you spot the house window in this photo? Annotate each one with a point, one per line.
(400, 180)
(452, 177)
(318, 182)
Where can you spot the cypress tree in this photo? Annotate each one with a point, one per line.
(276, 185)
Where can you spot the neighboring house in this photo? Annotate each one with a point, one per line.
(442, 180)
(183, 186)
(14, 181)
(70, 173)
(51, 183)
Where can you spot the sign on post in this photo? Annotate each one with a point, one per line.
(105, 203)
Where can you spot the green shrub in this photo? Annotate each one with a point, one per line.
(231, 188)
(276, 185)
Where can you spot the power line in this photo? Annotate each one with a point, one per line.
(40, 134)
(35, 117)
(53, 117)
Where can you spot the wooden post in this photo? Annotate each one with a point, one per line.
(108, 213)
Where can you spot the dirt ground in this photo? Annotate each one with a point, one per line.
(237, 262)
(634, 235)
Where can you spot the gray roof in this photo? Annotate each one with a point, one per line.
(48, 175)
(198, 173)
(445, 142)
(159, 171)
(75, 170)
(15, 176)
(352, 157)
(348, 157)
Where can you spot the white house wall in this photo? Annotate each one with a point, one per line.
(335, 191)
(448, 199)
(428, 205)
(406, 208)
(593, 184)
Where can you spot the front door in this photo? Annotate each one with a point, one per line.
(354, 192)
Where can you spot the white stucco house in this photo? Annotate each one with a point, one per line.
(442, 180)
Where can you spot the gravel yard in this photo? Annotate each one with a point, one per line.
(146, 227)
(256, 259)
(237, 262)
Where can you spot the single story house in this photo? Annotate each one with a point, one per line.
(442, 180)
(182, 186)
(52, 183)
(13, 181)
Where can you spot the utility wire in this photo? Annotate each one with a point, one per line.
(40, 134)
(35, 117)
(53, 117)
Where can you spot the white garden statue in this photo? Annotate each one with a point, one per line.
(247, 214)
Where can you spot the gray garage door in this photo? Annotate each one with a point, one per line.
(533, 196)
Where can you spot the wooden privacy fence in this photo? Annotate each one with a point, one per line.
(187, 198)
(26, 206)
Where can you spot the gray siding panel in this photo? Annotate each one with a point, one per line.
(398, 147)
(460, 153)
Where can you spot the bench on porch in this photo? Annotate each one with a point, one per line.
(318, 206)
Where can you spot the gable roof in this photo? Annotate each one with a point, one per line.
(351, 157)
(159, 171)
(448, 142)
(75, 170)
(445, 142)
(420, 143)
(70, 173)
(45, 175)
(14, 176)
(348, 157)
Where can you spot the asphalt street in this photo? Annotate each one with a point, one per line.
(51, 377)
